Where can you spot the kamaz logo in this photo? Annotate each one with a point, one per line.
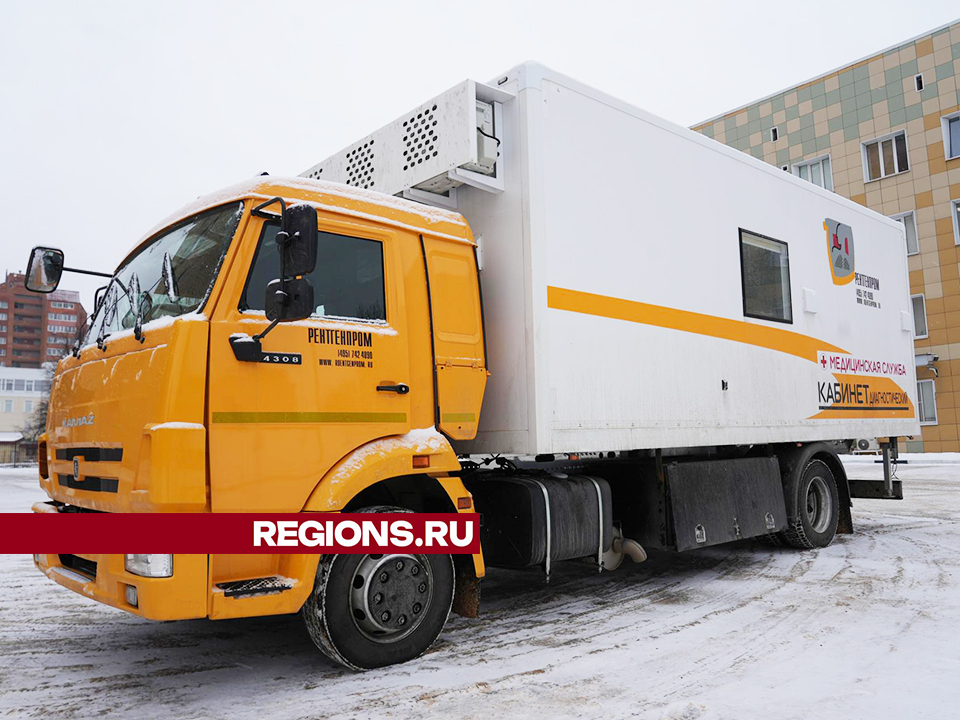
(78, 421)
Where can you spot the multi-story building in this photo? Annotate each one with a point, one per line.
(35, 329)
(884, 131)
(21, 391)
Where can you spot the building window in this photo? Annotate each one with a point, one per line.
(774, 134)
(919, 303)
(927, 402)
(918, 82)
(28, 406)
(955, 212)
(765, 278)
(3, 341)
(53, 352)
(8, 406)
(885, 156)
(3, 316)
(816, 171)
(909, 222)
(60, 304)
(951, 135)
(3, 304)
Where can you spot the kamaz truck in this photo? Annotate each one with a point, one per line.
(526, 299)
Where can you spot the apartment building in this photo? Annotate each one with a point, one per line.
(21, 391)
(34, 328)
(884, 131)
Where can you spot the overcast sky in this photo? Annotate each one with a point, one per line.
(114, 114)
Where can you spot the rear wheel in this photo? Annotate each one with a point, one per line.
(367, 611)
(818, 507)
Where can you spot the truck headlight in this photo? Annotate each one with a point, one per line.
(155, 566)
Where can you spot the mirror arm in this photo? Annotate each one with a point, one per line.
(87, 272)
(267, 329)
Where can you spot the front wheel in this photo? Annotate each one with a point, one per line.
(818, 508)
(368, 611)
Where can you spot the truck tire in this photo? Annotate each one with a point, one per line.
(818, 507)
(368, 611)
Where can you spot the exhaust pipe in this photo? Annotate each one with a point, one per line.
(631, 548)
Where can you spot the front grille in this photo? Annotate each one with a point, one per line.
(91, 454)
(90, 483)
(80, 565)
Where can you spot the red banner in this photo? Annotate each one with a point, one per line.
(353, 533)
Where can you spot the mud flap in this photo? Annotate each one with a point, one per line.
(466, 597)
(723, 500)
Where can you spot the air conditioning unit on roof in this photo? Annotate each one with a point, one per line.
(427, 153)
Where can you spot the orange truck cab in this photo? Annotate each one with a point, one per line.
(160, 408)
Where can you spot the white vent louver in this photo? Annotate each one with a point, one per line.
(421, 138)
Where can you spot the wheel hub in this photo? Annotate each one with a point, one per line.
(818, 509)
(389, 595)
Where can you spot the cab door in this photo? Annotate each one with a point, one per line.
(324, 386)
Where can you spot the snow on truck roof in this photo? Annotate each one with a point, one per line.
(333, 197)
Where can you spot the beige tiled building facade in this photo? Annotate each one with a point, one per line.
(885, 132)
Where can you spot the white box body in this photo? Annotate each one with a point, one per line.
(641, 219)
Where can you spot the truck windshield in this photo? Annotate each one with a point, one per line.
(174, 272)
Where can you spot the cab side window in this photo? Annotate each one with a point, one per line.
(347, 282)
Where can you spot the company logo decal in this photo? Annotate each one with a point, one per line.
(78, 421)
(840, 249)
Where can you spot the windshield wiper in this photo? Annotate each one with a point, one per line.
(109, 307)
(169, 279)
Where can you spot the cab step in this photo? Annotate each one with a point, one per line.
(257, 586)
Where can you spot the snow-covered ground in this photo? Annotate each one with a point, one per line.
(867, 628)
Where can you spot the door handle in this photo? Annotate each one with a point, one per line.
(399, 388)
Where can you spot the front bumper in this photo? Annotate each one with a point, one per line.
(103, 578)
(179, 597)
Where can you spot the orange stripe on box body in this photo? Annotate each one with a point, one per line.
(785, 341)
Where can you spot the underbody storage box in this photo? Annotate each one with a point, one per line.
(528, 517)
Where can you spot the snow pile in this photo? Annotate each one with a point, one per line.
(262, 187)
(422, 441)
(330, 322)
(176, 426)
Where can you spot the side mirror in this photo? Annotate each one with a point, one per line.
(289, 300)
(98, 297)
(45, 268)
(297, 240)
